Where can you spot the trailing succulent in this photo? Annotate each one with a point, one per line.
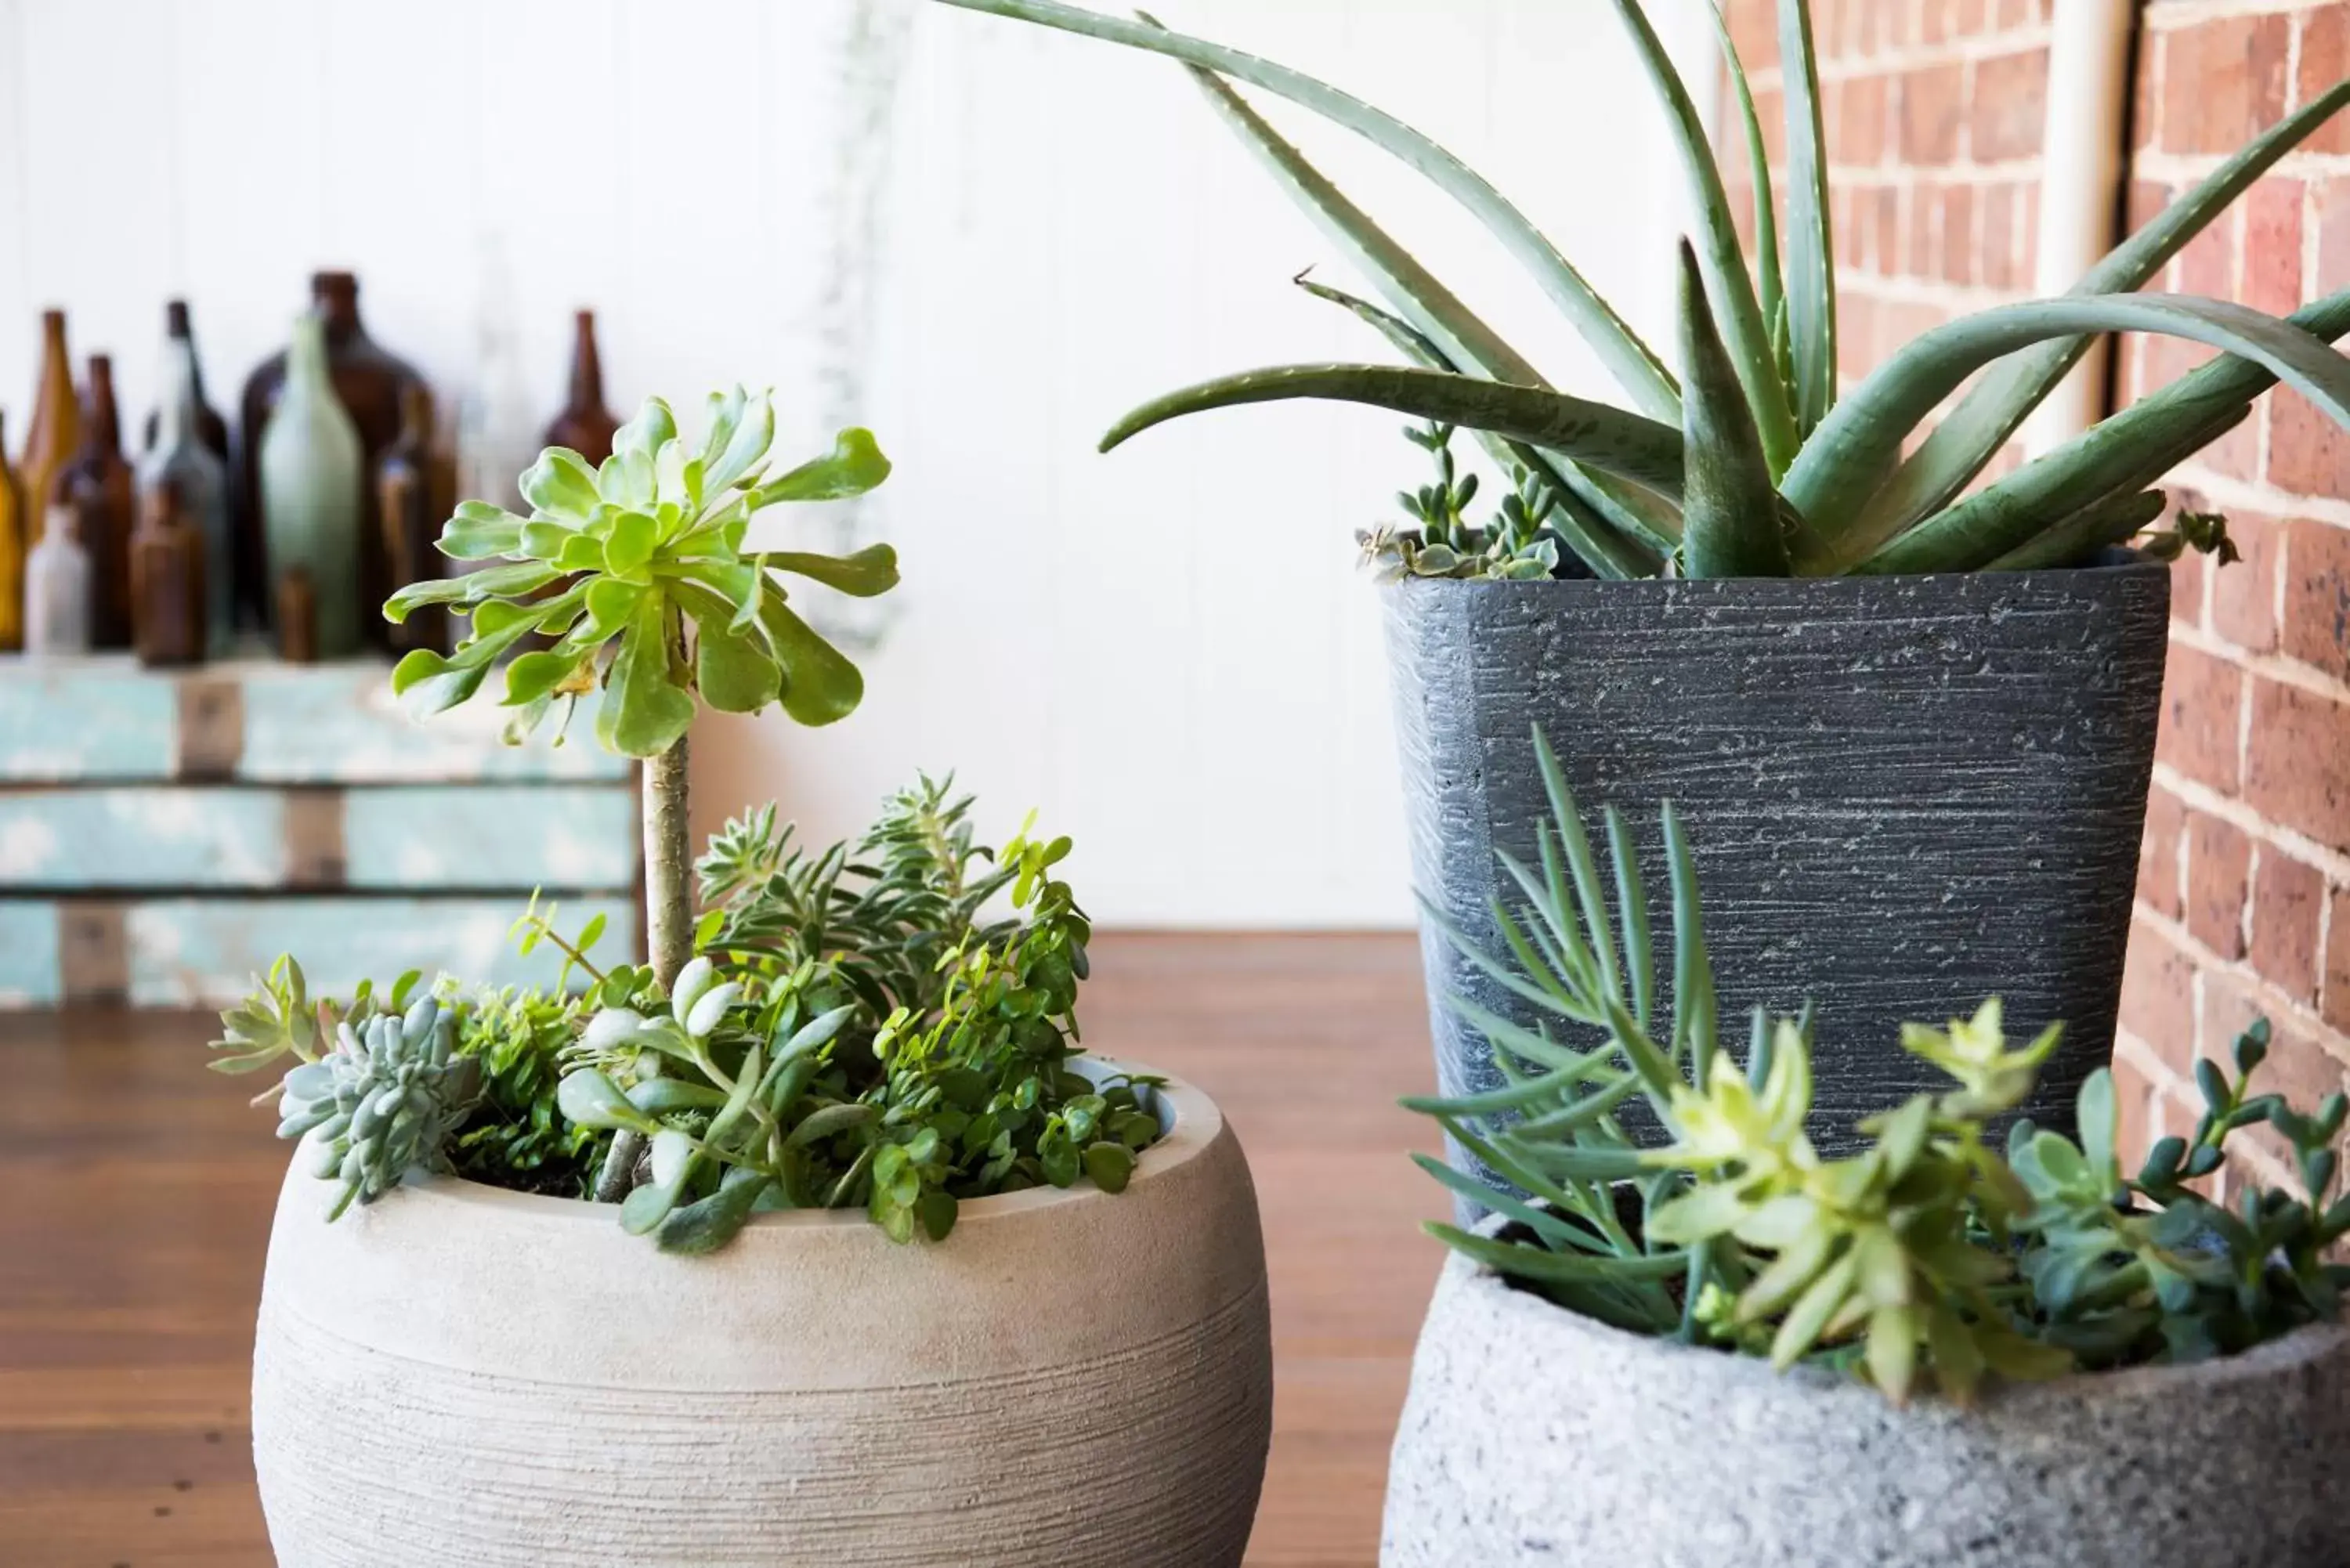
(1749, 462)
(1931, 1258)
(856, 1031)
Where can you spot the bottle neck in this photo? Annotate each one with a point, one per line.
(586, 368)
(180, 393)
(335, 296)
(103, 431)
(305, 357)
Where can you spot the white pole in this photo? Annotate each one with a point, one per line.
(2082, 157)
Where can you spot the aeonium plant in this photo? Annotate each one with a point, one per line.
(1936, 1257)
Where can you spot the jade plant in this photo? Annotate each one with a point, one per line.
(1936, 1256)
(1750, 462)
(868, 1027)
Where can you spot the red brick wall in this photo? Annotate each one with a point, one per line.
(1934, 127)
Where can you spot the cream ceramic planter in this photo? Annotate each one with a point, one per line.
(1532, 1436)
(460, 1375)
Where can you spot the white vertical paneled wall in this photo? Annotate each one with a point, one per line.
(1168, 651)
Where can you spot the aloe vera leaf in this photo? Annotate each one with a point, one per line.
(1947, 461)
(2004, 517)
(1810, 249)
(2112, 521)
(1730, 512)
(1861, 441)
(1744, 328)
(1770, 289)
(1587, 527)
(1638, 449)
(1634, 365)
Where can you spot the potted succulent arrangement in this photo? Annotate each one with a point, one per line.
(1731, 1349)
(1914, 720)
(816, 1237)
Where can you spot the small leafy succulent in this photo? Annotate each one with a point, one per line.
(1928, 1259)
(619, 564)
(859, 1034)
(1752, 462)
(383, 1101)
(1443, 542)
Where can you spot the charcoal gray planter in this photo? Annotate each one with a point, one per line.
(1532, 1436)
(1904, 794)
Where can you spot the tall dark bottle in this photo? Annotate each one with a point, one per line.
(585, 425)
(405, 497)
(102, 491)
(211, 429)
(367, 381)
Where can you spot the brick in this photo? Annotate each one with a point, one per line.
(2329, 212)
(2218, 879)
(2157, 856)
(2333, 986)
(2011, 107)
(2309, 455)
(2134, 1102)
(2297, 1065)
(2271, 247)
(2146, 201)
(2002, 262)
(2223, 82)
(1754, 29)
(1933, 113)
(1922, 243)
(1959, 233)
(2324, 60)
(1885, 229)
(2158, 996)
(2299, 774)
(1860, 139)
(2244, 593)
(2316, 629)
(2200, 699)
(1769, 110)
(2288, 895)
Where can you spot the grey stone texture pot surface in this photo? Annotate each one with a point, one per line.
(462, 1376)
(1904, 793)
(1532, 1436)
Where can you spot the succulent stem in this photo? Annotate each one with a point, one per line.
(669, 864)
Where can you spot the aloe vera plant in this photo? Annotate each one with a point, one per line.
(1749, 462)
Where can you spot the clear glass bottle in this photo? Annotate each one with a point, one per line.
(312, 468)
(180, 460)
(56, 587)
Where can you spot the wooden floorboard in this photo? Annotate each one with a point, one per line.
(136, 1188)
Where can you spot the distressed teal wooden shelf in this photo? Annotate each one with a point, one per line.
(165, 834)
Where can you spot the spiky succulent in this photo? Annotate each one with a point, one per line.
(384, 1100)
(1748, 463)
(1928, 1259)
(637, 571)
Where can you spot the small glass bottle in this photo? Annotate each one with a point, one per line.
(14, 527)
(167, 584)
(313, 503)
(56, 587)
(104, 493)
(55, 430)
(410, 527)
(179, 459)
(585, 425)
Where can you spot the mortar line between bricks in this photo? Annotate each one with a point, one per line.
(2264, 991)
(2171, 15)
(1904, 58)
(2272, 666)
(2323, 858)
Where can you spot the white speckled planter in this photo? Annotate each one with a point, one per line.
(1532, 1436)
(460, 1375)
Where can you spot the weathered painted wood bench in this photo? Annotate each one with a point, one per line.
(165, 834)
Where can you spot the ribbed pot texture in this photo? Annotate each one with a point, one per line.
(461, 1375)
(1532, 1436)
(1905, 794)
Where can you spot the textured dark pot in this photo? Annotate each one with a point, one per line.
(1904, 794)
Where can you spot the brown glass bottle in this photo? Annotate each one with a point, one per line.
(404, 486)
(367, 383)
(211, 429)
(55, 430)
(15, 531)
(296, 615)
(585, 425)
(100, 488)
(167, 584)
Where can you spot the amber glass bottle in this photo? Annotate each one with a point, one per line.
(404, 486)
(104, 493)
(585, 425)
(55, 430)
(167, 584)
(16, 529)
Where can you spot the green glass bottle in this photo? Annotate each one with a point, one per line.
(312, 470)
